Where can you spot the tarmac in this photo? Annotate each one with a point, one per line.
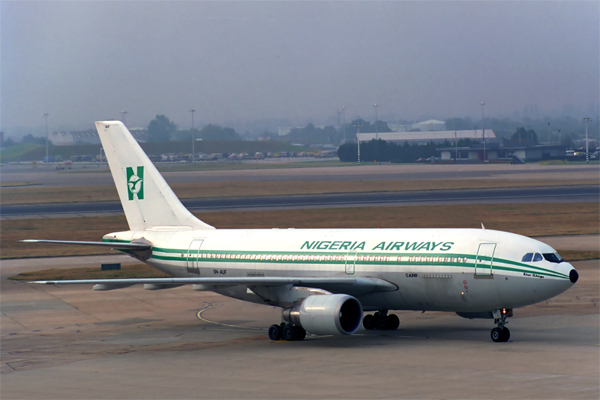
(73, 343)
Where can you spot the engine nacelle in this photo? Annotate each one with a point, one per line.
(331, 314)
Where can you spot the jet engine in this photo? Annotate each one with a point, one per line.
(331, 314)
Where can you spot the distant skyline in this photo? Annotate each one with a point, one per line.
(240, 63)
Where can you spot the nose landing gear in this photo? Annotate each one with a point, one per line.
(501, 333)
(381, 321)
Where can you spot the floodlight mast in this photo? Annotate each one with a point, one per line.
(587, 154)
(358, 126)
(483, 129)
(192, 111)
(45, 115)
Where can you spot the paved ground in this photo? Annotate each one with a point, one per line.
(562, 194)
(72, 343)
(355, 173)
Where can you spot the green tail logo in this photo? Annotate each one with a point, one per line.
(135, 183)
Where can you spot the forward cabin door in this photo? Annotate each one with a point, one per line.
(193, 268)
(485, 259)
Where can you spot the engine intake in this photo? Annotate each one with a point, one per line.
(331, 314)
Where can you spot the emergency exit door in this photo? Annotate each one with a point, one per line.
(193, 268)
(350, 262)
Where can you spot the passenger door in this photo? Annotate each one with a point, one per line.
(350, 262)
(193, 268)
(485, 259)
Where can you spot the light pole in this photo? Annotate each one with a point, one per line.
(483, 129)
(45, 115)
(123, 113)
(587, 155)
(192, 111)
(376, 130)
(358, 126)
(344, 122)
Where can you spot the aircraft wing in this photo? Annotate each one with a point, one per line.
(112, 245)
(347, 285)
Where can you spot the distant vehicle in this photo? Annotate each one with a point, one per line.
(259, 156)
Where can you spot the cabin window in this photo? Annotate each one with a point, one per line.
(527, 257)
(537, 257)
(553, 257)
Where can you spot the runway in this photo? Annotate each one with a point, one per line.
(72, 343)
(509, 195)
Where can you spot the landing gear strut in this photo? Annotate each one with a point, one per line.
(381, 321)
(500, 333)
(287, 332)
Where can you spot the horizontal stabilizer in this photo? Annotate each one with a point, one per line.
(112, 245)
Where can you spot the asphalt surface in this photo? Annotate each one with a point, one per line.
(94, 175)
(508, 195)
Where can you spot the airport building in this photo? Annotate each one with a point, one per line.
(496, 152)
(430, 136)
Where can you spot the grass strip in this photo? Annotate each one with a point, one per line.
(78, 194)
(542, 219)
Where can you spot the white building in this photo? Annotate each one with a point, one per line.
(434, 136)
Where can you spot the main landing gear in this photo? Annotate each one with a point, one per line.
(500, 333)
(381, 321)
(287, 332)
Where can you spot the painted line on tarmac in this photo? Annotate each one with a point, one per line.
(208, 307)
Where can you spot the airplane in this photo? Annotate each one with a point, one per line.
(324, 280)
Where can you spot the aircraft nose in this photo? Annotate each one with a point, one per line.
(573, 276)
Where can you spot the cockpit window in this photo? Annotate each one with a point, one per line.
(527, 257)
(553, 257)
(537, 257)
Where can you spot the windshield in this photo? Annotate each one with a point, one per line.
(553, 257)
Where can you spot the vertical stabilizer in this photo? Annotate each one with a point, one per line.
(147, 199)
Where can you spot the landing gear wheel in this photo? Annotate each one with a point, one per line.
(369, 322)
(505, 334)
(500, 335)
(274, 332)
(392, 322)
(381, 322)
(288, 333)
(299, 333)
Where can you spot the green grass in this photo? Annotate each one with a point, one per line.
(20, 152)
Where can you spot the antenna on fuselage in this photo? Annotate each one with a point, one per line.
(482, 227)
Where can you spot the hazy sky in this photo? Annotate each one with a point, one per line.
(82, 61)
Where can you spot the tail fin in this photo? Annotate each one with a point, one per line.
(147, 199)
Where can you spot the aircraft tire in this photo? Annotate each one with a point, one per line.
(505, 334)
(299, 333)
(288, 333)
(497, 335)
(381, 323)
(274, 332)
(392, 322)
(369, 322)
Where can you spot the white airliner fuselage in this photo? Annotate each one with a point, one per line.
(323, 279)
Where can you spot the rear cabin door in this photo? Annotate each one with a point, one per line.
(485, 259)
(193, 268)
